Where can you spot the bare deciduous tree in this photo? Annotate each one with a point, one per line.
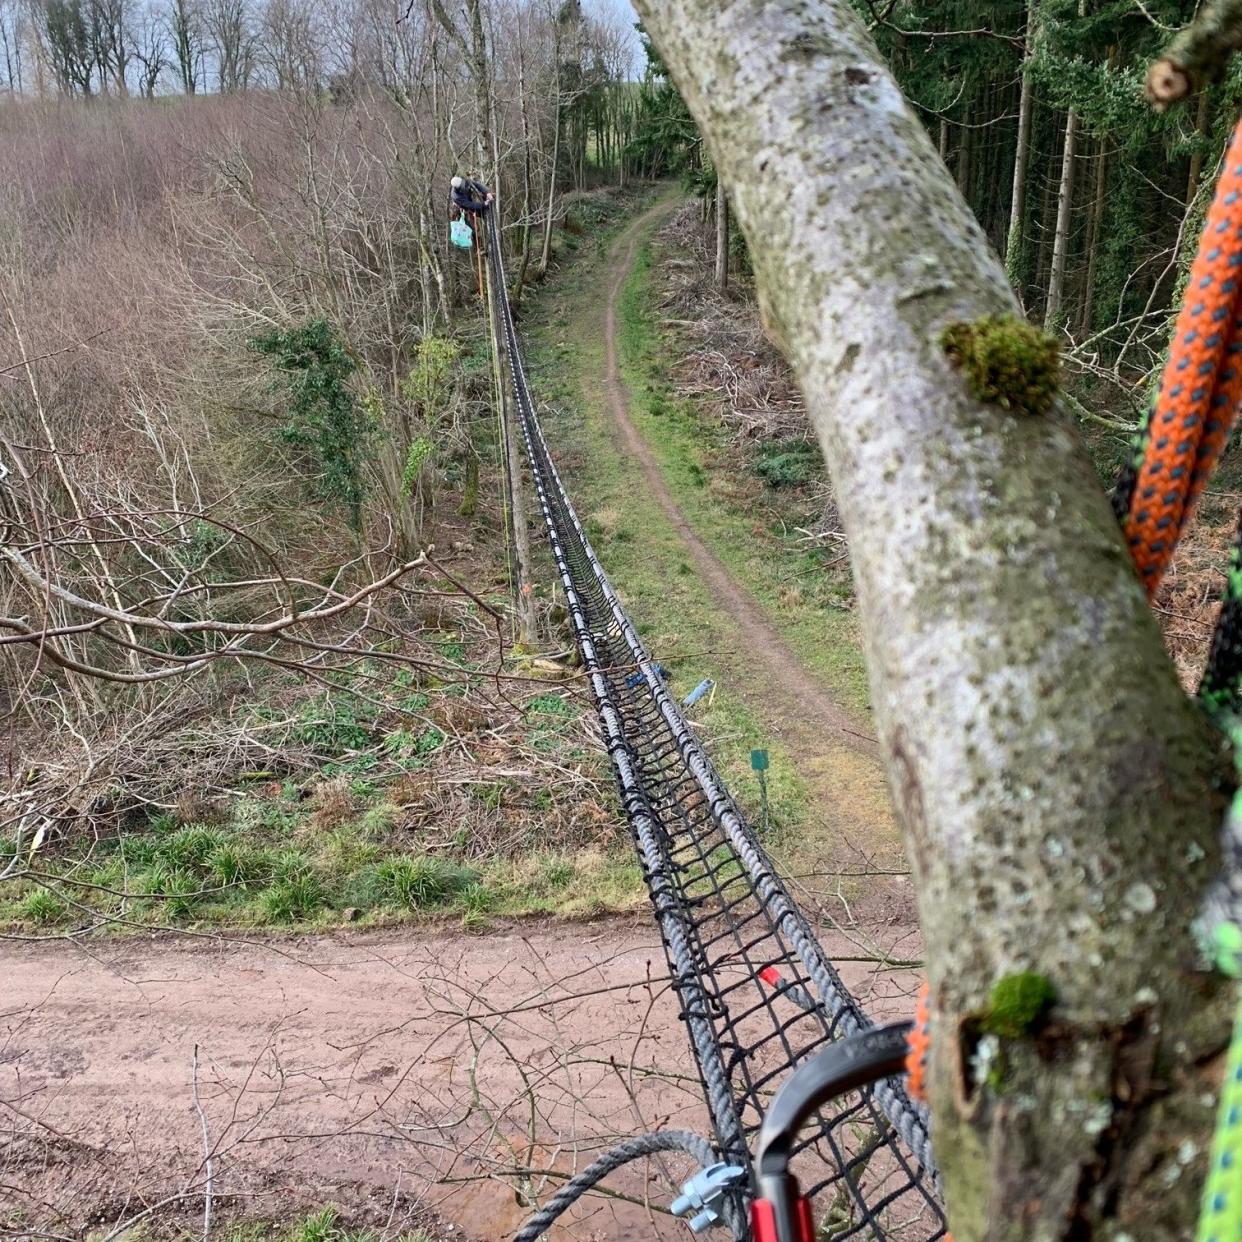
(150, 50)
(185, 27)
(227, 27)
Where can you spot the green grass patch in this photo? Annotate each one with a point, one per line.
(421, 883)
(242, 874)
(588, 882)
(42, 907)
(788, 463)
(332, 852)
(807, 598)
(324, 1225)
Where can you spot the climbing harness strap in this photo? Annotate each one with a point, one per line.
(1220, 1218)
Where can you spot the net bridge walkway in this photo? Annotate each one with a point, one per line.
(755, 989)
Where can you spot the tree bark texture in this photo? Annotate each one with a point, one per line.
(1017, 200)
(1059, 794)
(1094, 234)
(545, 256)
(514, 481)
(1060, 236)
(722, 236)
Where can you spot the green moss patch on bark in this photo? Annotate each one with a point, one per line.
(1018, 1004)
(1006, 361)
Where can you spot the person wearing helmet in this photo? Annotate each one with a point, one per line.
(470, 195)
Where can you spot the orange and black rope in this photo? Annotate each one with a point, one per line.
(919, 1040)
(1194, 413)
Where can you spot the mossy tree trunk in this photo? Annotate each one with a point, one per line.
(1021, 158)
(1059, 794)
(1196, 160)
(1094, 234)
(1061, 235)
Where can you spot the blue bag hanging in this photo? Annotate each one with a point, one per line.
(461, 234)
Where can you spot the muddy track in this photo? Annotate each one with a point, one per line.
(838, 763)
(402, 1075)
(395, 1074)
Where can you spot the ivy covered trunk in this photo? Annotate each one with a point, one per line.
(1021, 155)
(1059, 794)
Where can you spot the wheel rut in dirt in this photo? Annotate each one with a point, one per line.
(792, 688)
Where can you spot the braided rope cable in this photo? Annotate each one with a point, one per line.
(685, 975)
(1200, 388)
(624, 1153)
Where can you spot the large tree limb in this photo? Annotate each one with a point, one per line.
(207, 625)
(1058, 792)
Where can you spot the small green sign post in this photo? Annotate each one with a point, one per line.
(759, 765)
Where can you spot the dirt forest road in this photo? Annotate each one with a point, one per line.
(408, 1078)
(394, 1074)
(796, 697)
(840, 766)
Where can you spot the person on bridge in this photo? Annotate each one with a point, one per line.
(471, 200)
(471, 196)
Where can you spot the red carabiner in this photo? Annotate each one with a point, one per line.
(782, 1213)
(765, 1228)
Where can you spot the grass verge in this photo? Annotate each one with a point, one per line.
(746, 505)
(424, 805)
(325, 1225)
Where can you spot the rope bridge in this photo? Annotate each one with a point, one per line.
(754, 987)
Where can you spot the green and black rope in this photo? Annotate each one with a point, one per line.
(1123, 488)
(1221, 687)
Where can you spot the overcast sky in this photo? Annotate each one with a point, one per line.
(623, 10)
(619, 6)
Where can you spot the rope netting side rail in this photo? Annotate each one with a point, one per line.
(755, 988)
